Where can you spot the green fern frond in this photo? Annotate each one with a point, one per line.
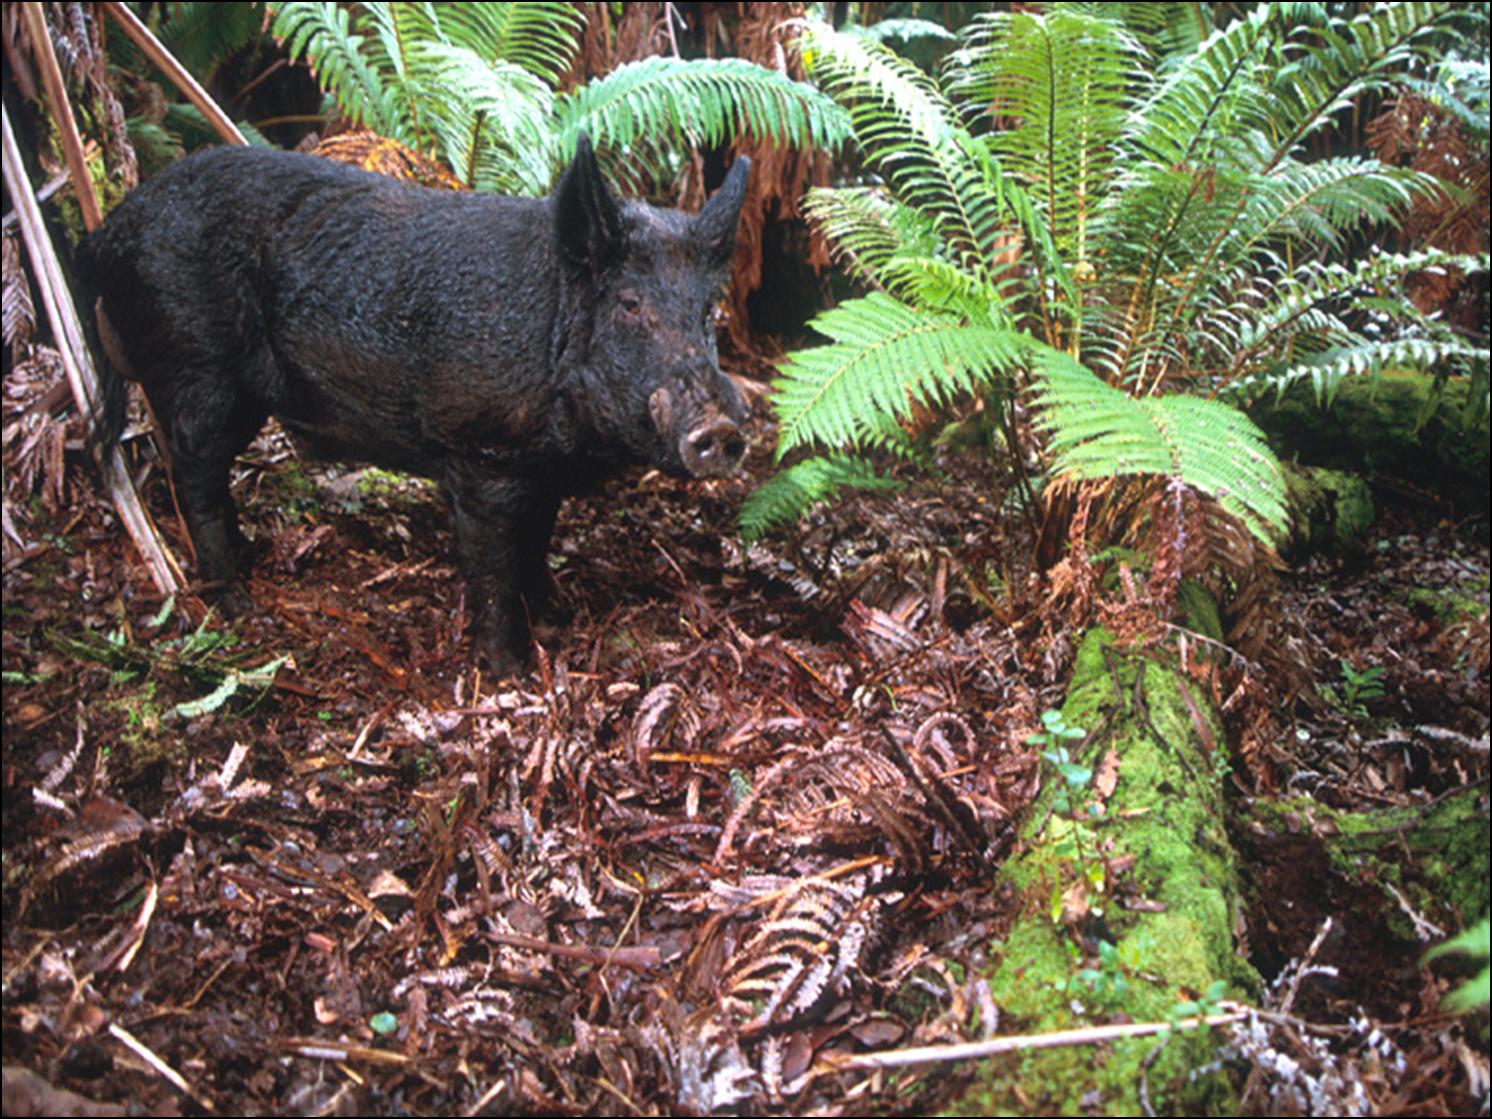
(908, 29)
(195, 130)
(1320, 201)
(539, 38)
(324, 35)
(787, 495)
(703, 100)
(910, 132)
(202, 36)
(884, 358)
(1061, 84)
(865, 228)
(940, 286)
(491, 120)
(852, 66)
(1296, 335)
(1166, 29)
(1096, 432)
(1327, 69)
(1327, 369)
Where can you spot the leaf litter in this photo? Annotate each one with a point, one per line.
(737, 826)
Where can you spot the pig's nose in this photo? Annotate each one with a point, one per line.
(714, 448)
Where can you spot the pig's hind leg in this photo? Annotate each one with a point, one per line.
(208, 420)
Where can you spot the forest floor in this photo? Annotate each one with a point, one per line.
(309, 862)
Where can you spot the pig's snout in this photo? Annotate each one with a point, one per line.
(713, 449)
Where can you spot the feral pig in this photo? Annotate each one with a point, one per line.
(515, 349)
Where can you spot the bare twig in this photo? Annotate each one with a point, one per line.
(62, 112)
(141, 1050)
(977, 1050)
(167, 64)
(639, 959)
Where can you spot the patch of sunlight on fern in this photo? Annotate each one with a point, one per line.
(1098, 432)
(787, 495)
(884, 359)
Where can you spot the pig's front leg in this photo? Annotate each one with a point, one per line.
(502, 528)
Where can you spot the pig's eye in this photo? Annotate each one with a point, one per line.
(715, 316)
(630, 303)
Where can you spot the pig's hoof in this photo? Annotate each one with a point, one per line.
(499, 661)
(230, 598)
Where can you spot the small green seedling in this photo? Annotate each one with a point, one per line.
(1355, 688)
(1068, 801)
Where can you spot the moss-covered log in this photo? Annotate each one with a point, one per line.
(1130, 898)
(1399, 428)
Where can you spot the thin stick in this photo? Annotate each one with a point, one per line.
(62, 113)
(167, 64)
(976, 1050)
(144, 1052)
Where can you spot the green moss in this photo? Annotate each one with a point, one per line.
(1199, 609)
(1449, 851)
(1166, 812)
(1329, 510)
(1401, 426)
(1448, 605)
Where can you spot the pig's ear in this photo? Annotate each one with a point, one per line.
(715, 224)
(587, 224)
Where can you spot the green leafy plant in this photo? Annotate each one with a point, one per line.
(212, 40)
(477, 85)
(1068, 801)
(1356, 687)
(1207, 1003)
(1475, 942)
(1135, 234)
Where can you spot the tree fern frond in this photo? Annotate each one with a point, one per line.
(1327, 369)
(910, 132)
(1320, 201)
(1326, 69)
(1096, 431)
(865, 228)
(885, 357)
(907, 30)
(1060, 83)
(324, 35)
(787, 495)
(491, 117)
(187, 121)
(1299, 309)
(1208, 96)
(706, 100)
(1168, 29)
(851, 65)
(940, 286)
(203, 36)
(540, 38)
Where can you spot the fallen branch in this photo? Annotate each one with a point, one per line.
(977, 1050)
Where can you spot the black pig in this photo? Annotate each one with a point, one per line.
(516, 349)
